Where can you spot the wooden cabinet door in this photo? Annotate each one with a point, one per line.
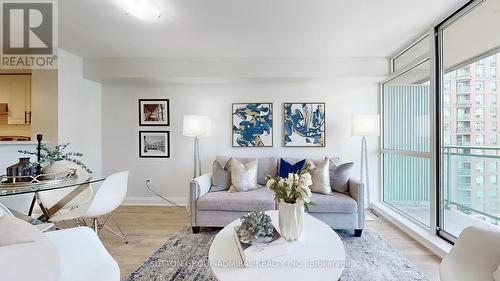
(19, 91)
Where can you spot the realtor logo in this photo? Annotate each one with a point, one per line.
(28, 34)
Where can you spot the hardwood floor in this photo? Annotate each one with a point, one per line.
(147, 229)
(420, 256)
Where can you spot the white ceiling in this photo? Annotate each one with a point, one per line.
(248, 28)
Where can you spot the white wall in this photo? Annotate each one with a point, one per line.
(79, 110)
(344, 97)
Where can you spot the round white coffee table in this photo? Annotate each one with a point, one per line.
(318, 255)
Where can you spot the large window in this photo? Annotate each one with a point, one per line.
(440, 170)
(465, 191)
(406, 142)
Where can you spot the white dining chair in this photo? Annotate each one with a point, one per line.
(475, 256)
(106, 199)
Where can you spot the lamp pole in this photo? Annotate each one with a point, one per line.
(365, 125)
(197, 160)
(364, 168)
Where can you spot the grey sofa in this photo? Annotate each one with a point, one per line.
(218, 209)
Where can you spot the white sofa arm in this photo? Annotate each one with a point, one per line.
(83, 256)
(357, 192)
(197, 188)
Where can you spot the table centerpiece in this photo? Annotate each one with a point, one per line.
(292, 195)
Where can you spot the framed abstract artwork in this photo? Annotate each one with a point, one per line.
(154, 112)
(304, 125)
(154, 144)
(252, 124)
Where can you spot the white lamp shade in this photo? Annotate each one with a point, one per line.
(366, 125)
(197, 126)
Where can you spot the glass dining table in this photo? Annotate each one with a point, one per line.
(78, 183)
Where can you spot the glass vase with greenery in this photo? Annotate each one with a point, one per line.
(58, 153)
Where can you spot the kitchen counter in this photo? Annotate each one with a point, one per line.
(18, 143)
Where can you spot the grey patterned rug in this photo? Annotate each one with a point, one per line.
(185, 257)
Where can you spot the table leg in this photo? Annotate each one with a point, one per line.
(45, 211)
(31, 206)
(61, 203)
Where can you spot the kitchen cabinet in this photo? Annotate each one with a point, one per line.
(16, 91)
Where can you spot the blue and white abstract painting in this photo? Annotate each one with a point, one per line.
(252, 124)
(304, 124)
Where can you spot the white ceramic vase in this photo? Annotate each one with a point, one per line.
(55, 167)
(291, 220)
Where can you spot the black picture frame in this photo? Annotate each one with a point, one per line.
(155, 153)
(166, 113)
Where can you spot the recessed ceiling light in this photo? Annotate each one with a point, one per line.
(146, 10)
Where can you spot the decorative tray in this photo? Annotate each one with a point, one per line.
(25, 181)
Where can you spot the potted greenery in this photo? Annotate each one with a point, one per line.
(292, 194)
(57, 158)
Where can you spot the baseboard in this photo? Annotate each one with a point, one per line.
(153, 201)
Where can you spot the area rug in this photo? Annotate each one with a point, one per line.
(185, 257)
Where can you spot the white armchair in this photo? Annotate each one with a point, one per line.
(74, 254)
(475, 256)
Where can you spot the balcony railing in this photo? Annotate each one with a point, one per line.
(464, 102)
(407, 186)
(459, 153)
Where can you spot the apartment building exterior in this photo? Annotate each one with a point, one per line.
(471, 136)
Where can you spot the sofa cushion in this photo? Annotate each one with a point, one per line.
(261, 199)
(339, 175)
(221, 179)
(321, 177)
(287, 168)
(333, 203)
(243, 176)
(16, 231)
(23, 244)
(265, 166)
(496, 274)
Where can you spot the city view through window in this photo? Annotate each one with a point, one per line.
(470, 136)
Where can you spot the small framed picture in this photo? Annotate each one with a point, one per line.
(154, 112)
(154, 144)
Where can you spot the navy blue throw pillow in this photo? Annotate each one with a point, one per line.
(286, 168)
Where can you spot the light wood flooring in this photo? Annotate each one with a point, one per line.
(148, 228)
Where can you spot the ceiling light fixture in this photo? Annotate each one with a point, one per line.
(146, 10)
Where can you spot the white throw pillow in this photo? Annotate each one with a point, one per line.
(23, 244)
(4, 211)
(496, 274)
(243, 176)
(320, 176)
(16, 231)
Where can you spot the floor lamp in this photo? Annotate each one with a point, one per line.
(365, 125)
(197, 126)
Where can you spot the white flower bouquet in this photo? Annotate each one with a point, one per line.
(294, 188)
